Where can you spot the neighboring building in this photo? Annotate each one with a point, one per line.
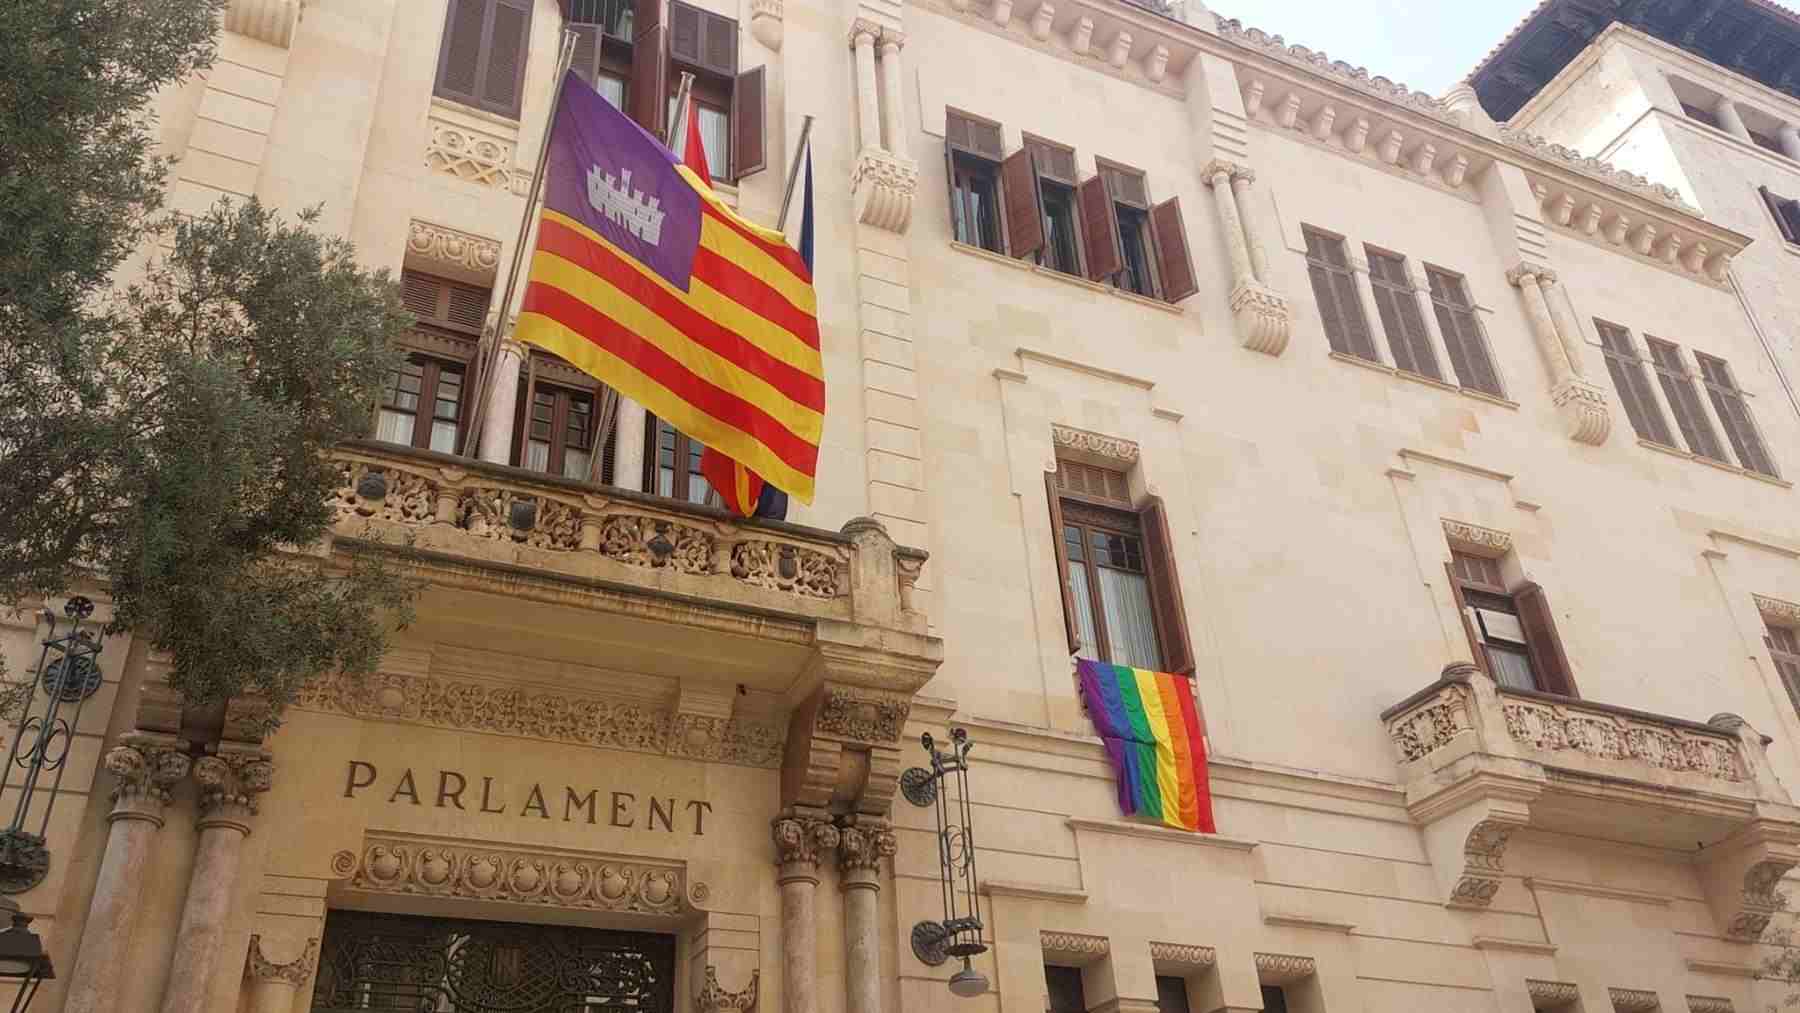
(1171, 344)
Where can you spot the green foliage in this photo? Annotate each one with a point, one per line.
(170, 438)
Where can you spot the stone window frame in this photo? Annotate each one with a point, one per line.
(1527, 600)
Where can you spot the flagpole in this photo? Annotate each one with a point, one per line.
(787, 197)
(490, 353)
(678, 113)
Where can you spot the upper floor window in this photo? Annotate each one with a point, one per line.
(1784, 648)
(1397, 303)
(1734, 414)
(1127, 194)
(1334, 287)
(1699, 114)
(1064, 987)
(1121, 600)
(562, 417)
(972, 156)
(1786, 212)
(1053, 169)
(1684, 400)
(1633, 384)
(422, 405)
(482, 60)
(1274, 999)
(673, 464)
(1765, 140)
(1511, 631)
(444, 305)
(1463, 338)
(1171, 994)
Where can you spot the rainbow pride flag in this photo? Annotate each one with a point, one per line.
(1152, 734)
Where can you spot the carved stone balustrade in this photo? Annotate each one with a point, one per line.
(1480, 762)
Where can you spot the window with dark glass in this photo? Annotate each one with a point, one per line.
(1274, 999)
(1734, 414)
(1397, 303)
(1064, 987)
(1784, 648)
(1121, 600)
(1511, 631)
(1056, 183)
(972, 157)
(1171, 994)
(1130, 197)
(481, 61)
(1699, 114)
(1684, 400)
(559, 433)
(1468, 348)
(1334, 288)
(1786, 211)
(673, 464)
(422, 405)
(1631, 380)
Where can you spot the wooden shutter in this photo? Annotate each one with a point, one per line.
(1734, 414)
(1782, 221)
(1627, 371)
(719, 44)
(649, 70)
(1462, 333)
(586, 60)
(1476, 649)
(1070, 626)
(1100, 230)
(1168, 235)
(686, 25)
(1684, 401)
(1165, 589)
(1024, 213)
(1548, 661)
(459, 56)
(503, 79)
(749, 153)
(444, 303)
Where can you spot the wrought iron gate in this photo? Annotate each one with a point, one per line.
(441, 965)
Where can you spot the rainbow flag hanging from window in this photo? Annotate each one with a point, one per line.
(1152, 734)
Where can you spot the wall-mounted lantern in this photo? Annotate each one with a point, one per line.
(959, 933)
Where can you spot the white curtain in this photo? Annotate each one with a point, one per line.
(1130, 627)
(611, 89)
(395, 427)
(1084, 612)
(715, 133)
(1512, 669)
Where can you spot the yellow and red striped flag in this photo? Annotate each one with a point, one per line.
(643, 279)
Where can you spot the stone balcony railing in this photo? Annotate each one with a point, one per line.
(1480, 762)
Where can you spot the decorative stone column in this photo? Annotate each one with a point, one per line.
(273, 986)
(868, 120)
(502, 402)
(1789, 136)
(147, 766)
(229, 783)
(1581, 404)
(1262, 315)
(893, 128)
(862, 847)
(1729, 119)
(883, 180)
(798, 841)
(629, 433)
(1241, 178)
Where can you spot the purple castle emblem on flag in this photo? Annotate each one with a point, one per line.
(612, 176)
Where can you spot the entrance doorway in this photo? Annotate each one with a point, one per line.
(442, 965)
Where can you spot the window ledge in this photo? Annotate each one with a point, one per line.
(1419, 378)
(1663, 448)
(1067, 279)
(456, 108)
(1357, 360)
(1493, 399)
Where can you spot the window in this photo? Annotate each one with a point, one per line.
(1121, 601)
(1171, 994)
(972, 158)
(482, 59)
(1633, 384)
(603, 42)
(558, 434)
(1274, 999)
(1784, 647)
(674, 464)
(1054, 178)
(1786, 212)
(422, 405)
(1064, 985)
(1699, 114)
(442, 305)
(1767, 142)
(1334, 286)
(1511, 633)
(1734, 414)
(1130, 198)
(1397, 302)
(1684, 400)
(1462, 332)
(1137, 246)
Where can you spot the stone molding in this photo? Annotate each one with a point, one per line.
(1550, 151)
(230, 782)
(1074, 944)
(1474, 536)
(1484, 852)
(1518, 275)
(1709, 1004)
(1281, 968)
(861, 848)
(296, 972)
(1582, 405)
(1184, 955)
(147, 767)
(1552, 994)
(1262, 315)
(766, 22)
(455, 249)
(713, 998)
(799, 841)
(1761, 900)
(884, 185)
(1778, 610)
(469, 871)
(465, 146)
(863, 715)
(1112, 448)
(1211, 171)
(1316, 61)
(270, 21)
(864, 26)
(1633, 1000)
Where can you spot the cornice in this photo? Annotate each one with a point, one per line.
(1596, 890)
(1033, 891)
(1514, 945)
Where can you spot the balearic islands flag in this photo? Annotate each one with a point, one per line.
(643, 279)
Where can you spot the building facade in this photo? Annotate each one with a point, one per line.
(1450, 463)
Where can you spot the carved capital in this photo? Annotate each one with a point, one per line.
(798, 841)
(766, 23)
(884, 185)
(270, 21)
(864, 32)
(1242, 174)
(230, 782)
(296, 972)
(1529, 274)
(892, 41)
(865, 715)
(861, 848)
(1582, 405)
(147, 768)
(1218, 171)
(713, 998)
(1263, 318)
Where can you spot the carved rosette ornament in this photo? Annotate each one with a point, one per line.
(296, 972)
(713, 998)
(884, 184)
(147, 769)
(798, 842)
(229, 785)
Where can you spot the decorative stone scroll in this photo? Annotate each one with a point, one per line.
(1761, 901)
(1483, 855)
(1080, 440)
(1785, 612)
(884, 184)
(1184, 955)
(1608, 736)
(1633, 1000)
(1709, 1004)
(295, 972)
(715, 999)
(1474, 536)
(1552, 994)
(1074, 944)
(1281, 968)
(467, 871)
(865, 715)
(451, 248)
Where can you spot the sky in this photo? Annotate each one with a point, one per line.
(1427, 44)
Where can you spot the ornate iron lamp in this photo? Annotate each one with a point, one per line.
(68, 673)
(959, 934)
(22, 957)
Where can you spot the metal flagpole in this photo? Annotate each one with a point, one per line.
(678, 112)
(794, 172)
(490, 354)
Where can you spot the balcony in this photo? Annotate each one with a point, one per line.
(1479, 762)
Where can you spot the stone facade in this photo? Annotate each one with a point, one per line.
(624, 712)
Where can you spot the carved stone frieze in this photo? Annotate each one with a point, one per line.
(1435, 722)
(296, 972)
(865, 715)
(861, 848)
(471, 871)
(401, 497)
(1281, 968)
(1184, 955)
(1558, 727)
(479, 154)
(1785, 612)
(798, 841)
(147, 768)
(1477, 537)
(1551, 994)
(784, 567)
(713, 998)
(556, 717)
(453, 248)
(230, 783)
(884, 185)
(1633, 1000)
(1112, 447)
(1074, 944)
(646, 541)
(1263, 318)
(1709, 1004)
(1762, 899)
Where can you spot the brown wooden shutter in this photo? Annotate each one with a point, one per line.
(459, 56)
(719, 44)
(1070, 627)
(1476, 649)
(1099, 230)
(950, 183)
(649, 69)
(1024, 213)
(1781, 220)
(1165, 589)
(586, 60)
(503, 82)
(1548, 661)
(1168, 235)
(686, 25)
(749, 153)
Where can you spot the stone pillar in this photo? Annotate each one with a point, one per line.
(1218, 176)
(868, 125)
(798, 841)
(1543, 328)
(1568, 331)
(628, 445)
(503, 400)
(1241, 178)
(1581, 404)
(893, 125)
(147, 766)
(860, 851)
(272, 986)
(1729, 120)
(229, 783)
(1262, 316)
(1790, 140)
